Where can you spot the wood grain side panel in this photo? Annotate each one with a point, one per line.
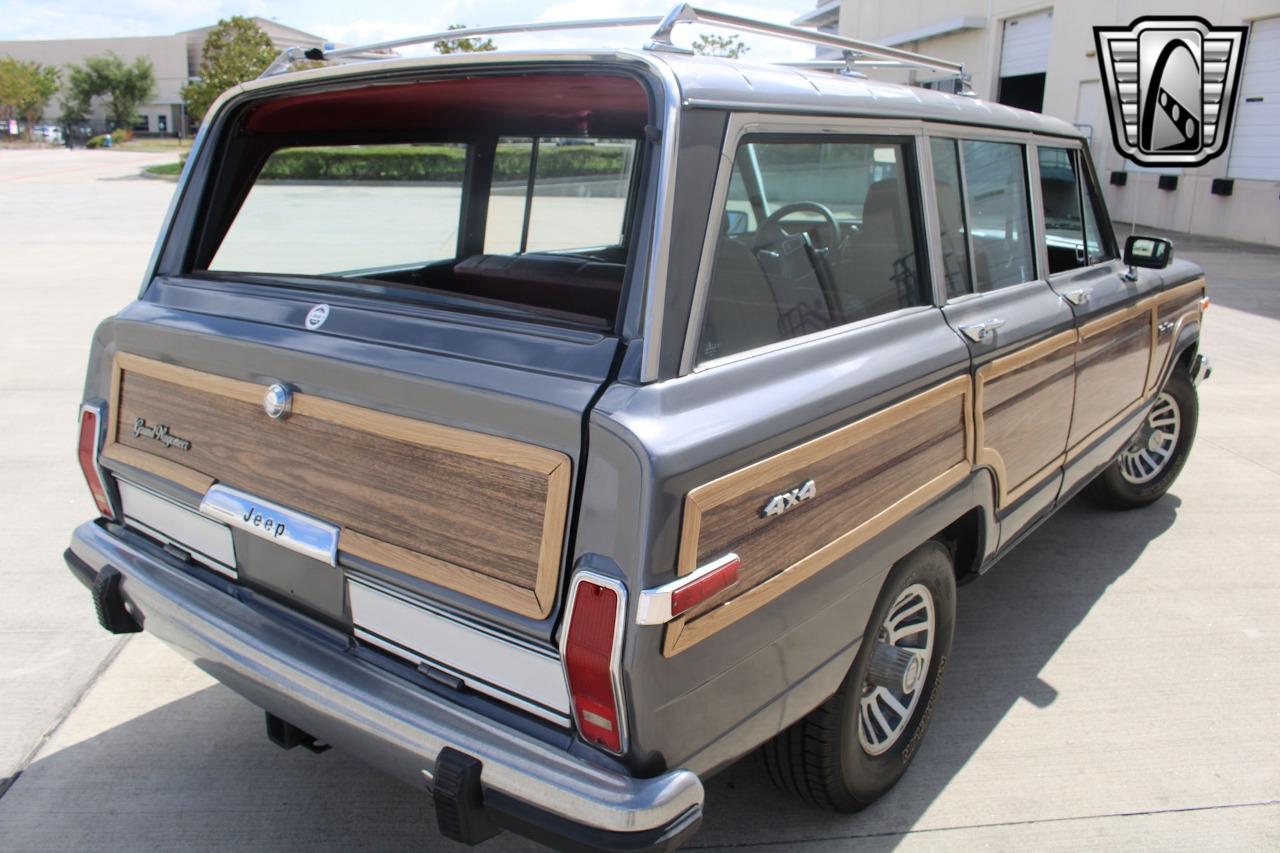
(484, 517)
(863, 472)
(1179, 307)
(1111, 371)
(1023, 410)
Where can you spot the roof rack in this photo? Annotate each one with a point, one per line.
(857, 54)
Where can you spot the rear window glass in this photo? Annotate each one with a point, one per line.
(576, 200)
(344, 209)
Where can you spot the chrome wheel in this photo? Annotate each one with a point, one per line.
(1149, 451)
(897, 671)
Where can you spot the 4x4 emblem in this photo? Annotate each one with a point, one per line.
(1171, 85)
(779, 504)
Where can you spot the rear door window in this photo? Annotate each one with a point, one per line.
(815, 235)
(998, 213)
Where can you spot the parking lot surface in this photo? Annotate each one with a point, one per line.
(1113, 682)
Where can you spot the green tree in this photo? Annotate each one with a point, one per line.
(122, 87)
(730, 47)
(464, 45)
(25, 88)
(235, 51)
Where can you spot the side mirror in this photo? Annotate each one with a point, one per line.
(1153, 253)
(736, 222)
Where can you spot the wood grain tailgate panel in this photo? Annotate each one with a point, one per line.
(472, 512)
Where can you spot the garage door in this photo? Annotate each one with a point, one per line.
(1255, 136)
(1025, 49)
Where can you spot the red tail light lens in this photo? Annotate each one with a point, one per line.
(722, 575)
(88, 455)
(589, 650)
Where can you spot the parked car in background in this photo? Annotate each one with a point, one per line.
(47, 133)
(554, 503)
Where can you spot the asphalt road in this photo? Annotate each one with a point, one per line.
(1113, 684)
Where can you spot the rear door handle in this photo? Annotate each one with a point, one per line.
(980, 332)
(1077, 297)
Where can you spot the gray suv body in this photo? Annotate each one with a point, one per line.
(553, 430)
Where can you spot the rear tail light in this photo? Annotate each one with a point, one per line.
(90, 438)
(591, 650)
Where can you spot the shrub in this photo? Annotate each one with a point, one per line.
(434, 163)
(96, 141)
(118, 136)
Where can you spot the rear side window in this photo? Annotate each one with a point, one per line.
(345, 209)
(815, 235)
(999, 213)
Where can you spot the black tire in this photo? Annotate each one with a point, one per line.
(820, 758)
(1111, 490)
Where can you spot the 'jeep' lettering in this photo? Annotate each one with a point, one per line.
(268, 524)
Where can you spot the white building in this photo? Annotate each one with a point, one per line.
(176, 60)
(1041, 56)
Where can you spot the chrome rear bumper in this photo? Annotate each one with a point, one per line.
(318, 685)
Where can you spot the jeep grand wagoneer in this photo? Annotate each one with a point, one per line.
(553, 429)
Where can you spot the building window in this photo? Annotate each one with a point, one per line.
(162, 124)
(143, 125)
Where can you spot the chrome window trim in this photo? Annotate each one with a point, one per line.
(1038, 229)
(655, 285)
(812, 337)
(932, 222)
(743, 124)
(970, 261)
(615, 660)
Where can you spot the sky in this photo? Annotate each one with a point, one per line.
(376, 20)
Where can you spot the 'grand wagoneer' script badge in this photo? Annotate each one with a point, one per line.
(160, 433)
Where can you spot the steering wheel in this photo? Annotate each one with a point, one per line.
(770, 231)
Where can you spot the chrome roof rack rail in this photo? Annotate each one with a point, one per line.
(686, 14)
(856, 53)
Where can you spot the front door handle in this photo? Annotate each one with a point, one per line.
(1077, 297)
(981, 332)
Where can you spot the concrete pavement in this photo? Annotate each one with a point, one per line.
(1112, 682)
